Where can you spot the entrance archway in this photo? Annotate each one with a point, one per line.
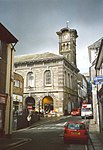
(30, 103)
(48, 104)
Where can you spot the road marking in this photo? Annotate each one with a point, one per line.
(58, 126)
(17, 144)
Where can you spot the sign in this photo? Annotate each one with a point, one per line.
(98, 80)
(17, 98)
(84, 106)
(29, 107)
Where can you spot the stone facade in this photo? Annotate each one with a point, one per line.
(49, 76)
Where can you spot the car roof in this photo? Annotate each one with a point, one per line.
(76, 122)
(75, 108)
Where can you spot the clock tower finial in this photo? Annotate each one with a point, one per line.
(67, 23)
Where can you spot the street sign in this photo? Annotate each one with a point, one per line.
(98, 80)
(84, 106)
(29, 107)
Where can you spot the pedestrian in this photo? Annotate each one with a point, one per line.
(29, 119)
(42, 113)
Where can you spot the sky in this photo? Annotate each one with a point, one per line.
(35, 23)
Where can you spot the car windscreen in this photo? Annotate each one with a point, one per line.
(76, 126)
(86, 109)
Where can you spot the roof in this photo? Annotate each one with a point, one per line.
(67, 29)
(6, 36)
(44, 57)
(96, 44)
(99, 59)
(36, 57)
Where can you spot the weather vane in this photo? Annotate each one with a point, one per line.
(67, 23)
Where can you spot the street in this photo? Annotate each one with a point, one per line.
(46, 136)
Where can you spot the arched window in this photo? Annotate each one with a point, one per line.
(30, 79)
(68, 80)
(65, 78)
(47, 77)
(71, 82)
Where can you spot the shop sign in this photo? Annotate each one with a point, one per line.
(29, 107)
(17, 98)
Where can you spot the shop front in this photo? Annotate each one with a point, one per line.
(3, 99)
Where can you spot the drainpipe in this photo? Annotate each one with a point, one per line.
(10, 92)
(98, 102)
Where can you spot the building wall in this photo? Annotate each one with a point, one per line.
(9, 90)
(19, 88)
(93, 55)
(99, 73)
(18, 91)
(3, 64)
(61, 94)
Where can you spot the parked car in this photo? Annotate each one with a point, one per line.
(76, 133)
(52, 113)
(76, 112)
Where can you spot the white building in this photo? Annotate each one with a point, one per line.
(82, 89)
(99, 83)
(93, 54)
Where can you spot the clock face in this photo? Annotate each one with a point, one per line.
(65, 36)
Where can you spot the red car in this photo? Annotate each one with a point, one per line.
(75, 112)
(76, 133)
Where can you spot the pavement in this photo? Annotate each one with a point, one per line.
(96, 138)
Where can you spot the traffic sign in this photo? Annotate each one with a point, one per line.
(29, 107)
(98, 80)
(84, 106)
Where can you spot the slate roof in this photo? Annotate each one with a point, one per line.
(6, 36)
(96, 44)
(36, 57)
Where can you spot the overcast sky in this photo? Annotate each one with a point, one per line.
(35, 23)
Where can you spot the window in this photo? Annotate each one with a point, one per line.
(68, 80)
(30, 79)
(76, 126)
(71, 84)
(47, 77)
(3, 66)
(16, 83)
(20, 84)
(65, 79)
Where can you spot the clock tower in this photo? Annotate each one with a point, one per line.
(67, 43)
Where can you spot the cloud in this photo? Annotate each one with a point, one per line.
(35, 23)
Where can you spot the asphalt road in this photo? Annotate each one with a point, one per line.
(48, 136)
